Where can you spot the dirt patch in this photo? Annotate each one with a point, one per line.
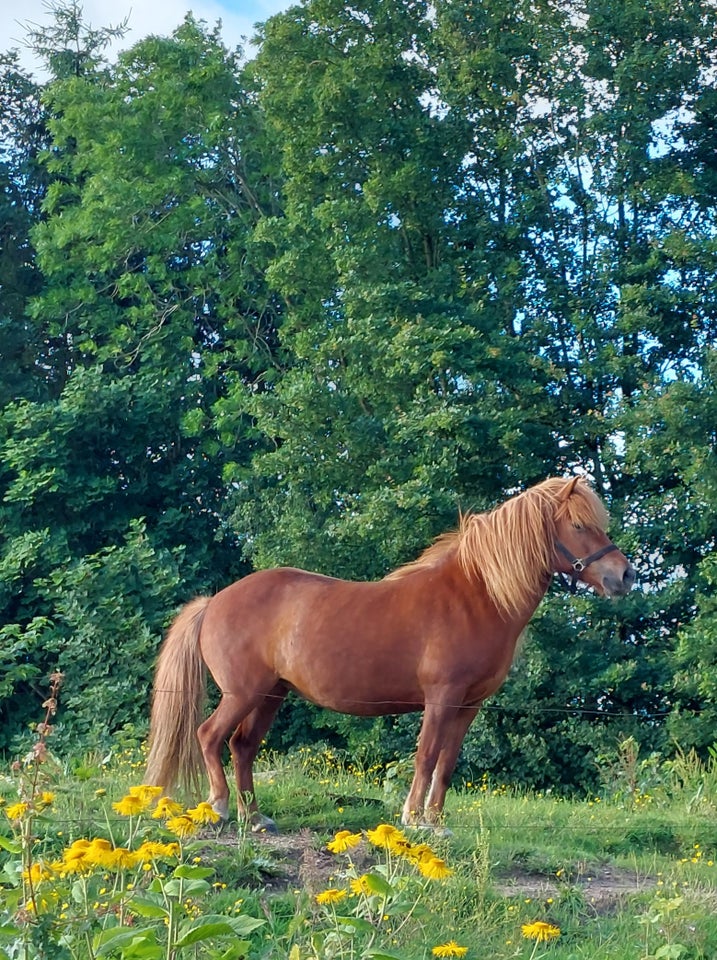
(305, 863)
(601, 887)
(300, 861)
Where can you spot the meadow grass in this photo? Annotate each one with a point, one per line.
(620, 876)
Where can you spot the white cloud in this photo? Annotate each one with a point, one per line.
(145, 17)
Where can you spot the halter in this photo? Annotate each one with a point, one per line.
(578, 564)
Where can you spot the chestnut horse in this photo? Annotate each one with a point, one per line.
(436, 635)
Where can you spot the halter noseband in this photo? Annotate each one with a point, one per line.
(578, 564)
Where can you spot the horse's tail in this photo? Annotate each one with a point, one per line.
(180, 687)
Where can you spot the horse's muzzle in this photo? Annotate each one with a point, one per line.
(615, 586)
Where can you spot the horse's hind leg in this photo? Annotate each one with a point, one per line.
(211, 735)
(244, 746)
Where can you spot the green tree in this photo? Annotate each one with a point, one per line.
(403, 398)
(410, 259)
(153, 305)
(678, 443)
(22, 188)
(494, 291)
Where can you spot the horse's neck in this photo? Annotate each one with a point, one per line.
(527, 602)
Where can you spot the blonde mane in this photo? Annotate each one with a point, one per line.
(512, 548)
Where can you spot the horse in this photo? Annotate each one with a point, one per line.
(436, 635)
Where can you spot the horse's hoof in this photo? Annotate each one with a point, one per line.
(440, 831)
(435, 829)
(221, 807)
(262, 824)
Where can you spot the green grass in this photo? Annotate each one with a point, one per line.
(622, 877)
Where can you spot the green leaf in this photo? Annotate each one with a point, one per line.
(13, 871)
(119, 938)
(377, 884)
(205, 931)
(237, 951)
(147, 908)
(357, 924)
(399, 908)
(11, 845)
(187, 872)
(670, 951)
(216, 925)
(185, 888)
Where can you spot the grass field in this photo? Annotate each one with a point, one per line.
(91, 866)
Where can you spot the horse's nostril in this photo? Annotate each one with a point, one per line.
(629, 576)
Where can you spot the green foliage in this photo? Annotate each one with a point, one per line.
(695, 657)
(112, 474)
(305, 308)
(109, 609)
(22, 187)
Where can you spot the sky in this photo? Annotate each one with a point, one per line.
(145, 17)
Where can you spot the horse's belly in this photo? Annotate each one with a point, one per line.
(365, 707)
(361, 696)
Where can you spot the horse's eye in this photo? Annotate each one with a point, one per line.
(578, 526)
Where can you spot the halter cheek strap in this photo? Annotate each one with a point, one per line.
(579, 564)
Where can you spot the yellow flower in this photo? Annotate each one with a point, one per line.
(330, 896)
(37, 873)
(450, 949)
(434, 868)
(360, 886)
(540, 930)
(384, 835)
(46, 799)
(146, 793)
(74, 858)
(166, 807)
(129, 806)
(100, 852)
(344, 840)
(183, 826)
(123, 859)
(153, 850)
(137, 800)
(419, 851)
(77, 848)
(203, 813)
(17, 811)
(401, 846)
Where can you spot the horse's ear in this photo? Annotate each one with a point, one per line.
(569, 488)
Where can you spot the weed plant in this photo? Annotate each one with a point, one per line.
(93, 864)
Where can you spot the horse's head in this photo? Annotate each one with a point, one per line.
(583, 551)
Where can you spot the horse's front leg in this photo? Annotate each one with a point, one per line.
(446, 763)
(442, 732)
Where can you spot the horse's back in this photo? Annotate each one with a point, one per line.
(264, 593)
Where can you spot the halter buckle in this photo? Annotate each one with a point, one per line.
(578, 564)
